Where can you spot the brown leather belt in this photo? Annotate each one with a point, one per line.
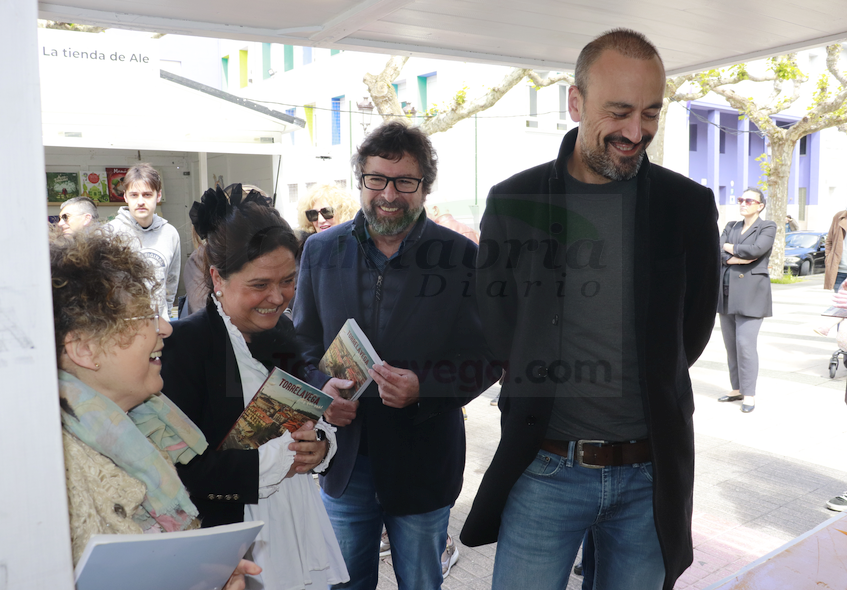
(595, 454)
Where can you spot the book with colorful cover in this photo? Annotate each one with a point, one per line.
(115, 180)
(283, 403)
(93, 185)
(62, 186)
(349, 357)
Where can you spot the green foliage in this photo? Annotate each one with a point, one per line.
(704, 79)
(788, 278)
(765, 166)
(822, 92)
(461, 96)
(784, 68)
(740, 71)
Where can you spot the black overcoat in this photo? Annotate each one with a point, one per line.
(522, 261)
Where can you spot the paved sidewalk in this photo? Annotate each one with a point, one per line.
(761, 479)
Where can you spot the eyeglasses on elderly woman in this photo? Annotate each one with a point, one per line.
(327, 212)
(153, 316)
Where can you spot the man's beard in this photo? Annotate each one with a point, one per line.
(390, 227)
(602, 163)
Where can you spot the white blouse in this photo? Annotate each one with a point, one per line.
(296, 548)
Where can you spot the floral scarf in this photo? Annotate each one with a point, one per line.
(133, 441)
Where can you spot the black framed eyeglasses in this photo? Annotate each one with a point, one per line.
(403, 184)
(327, 212)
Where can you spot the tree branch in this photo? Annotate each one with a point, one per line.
(382, 92)
(549, 80)
(457, 111)
(833, 57)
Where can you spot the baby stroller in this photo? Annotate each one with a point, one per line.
(833, 361)
(841, 353)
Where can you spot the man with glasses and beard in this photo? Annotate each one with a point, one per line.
(409, 285)
(598, 281)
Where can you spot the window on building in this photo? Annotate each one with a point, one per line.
(334, 52)
(533, 102)
(225, 67)
(563, 101)
(426, 85)
(288, 57)
(309, 186)
(400, 89)
(801, 200)
(307, 55)
(293, 135)
(266, 61)
(341, 183)
(722, 141)
(336, 119)
(692, 137)
(803, 145)
(292, 193)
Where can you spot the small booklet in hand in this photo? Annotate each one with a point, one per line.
(283, 403)
(835, 312)
(349, 357)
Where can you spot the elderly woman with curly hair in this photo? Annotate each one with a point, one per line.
(121, 437)
(323, 206)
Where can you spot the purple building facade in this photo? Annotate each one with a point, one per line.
(722, 153)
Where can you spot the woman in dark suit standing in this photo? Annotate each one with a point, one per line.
(745, 298)
(215, 361)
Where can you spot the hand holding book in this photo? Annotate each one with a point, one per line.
(398, 388)
(310, 451)
(341, 411)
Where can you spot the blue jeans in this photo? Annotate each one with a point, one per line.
(548, 511)
(839, 278)
(417, 540)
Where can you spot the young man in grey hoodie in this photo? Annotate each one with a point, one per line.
(158, 240)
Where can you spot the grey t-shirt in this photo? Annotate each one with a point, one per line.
(598, 395)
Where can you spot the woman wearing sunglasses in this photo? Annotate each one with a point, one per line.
(324, 206)
(745, 296)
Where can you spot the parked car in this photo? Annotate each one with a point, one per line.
(804, 252)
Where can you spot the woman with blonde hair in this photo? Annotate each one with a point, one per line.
(323, 206)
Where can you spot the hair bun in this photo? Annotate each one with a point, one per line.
(214, 207)
(209, 212)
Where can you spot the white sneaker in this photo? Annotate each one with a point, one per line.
(838, 503)
(384, 545)
(449, 557)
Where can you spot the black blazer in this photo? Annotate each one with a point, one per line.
(749, 284)
(201, 376)
(522, 261)
(417, 453)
